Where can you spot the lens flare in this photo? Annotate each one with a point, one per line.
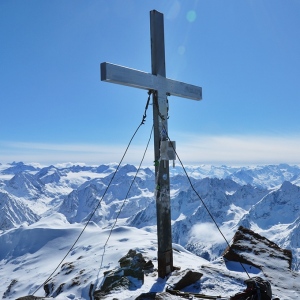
(191, 16)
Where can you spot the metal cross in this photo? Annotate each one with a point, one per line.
(161, 87)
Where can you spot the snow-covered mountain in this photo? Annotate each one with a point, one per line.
(54, 202)
(14, 211)
(280, 206)
(25, 185)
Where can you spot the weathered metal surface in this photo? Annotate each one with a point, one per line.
(134, 78)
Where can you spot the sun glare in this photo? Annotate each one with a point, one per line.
(191, 16)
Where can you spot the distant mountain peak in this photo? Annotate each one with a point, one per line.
(19, 167)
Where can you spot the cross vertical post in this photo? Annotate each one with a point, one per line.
(162, 175)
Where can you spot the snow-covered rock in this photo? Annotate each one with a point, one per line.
(250, 248)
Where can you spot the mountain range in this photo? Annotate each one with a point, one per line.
(52, 203)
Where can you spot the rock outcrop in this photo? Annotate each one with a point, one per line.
(132, 266)
(253, 249)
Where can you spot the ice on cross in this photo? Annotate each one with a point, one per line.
(161, 88)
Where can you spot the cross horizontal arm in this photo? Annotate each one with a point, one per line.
(147, 81)
(184, 90)
(126, 76)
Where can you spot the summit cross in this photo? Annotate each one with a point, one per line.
(161, 87)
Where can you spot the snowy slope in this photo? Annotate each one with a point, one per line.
(24, 269)
(43, 247)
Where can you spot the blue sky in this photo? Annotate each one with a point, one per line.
(244, 54)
